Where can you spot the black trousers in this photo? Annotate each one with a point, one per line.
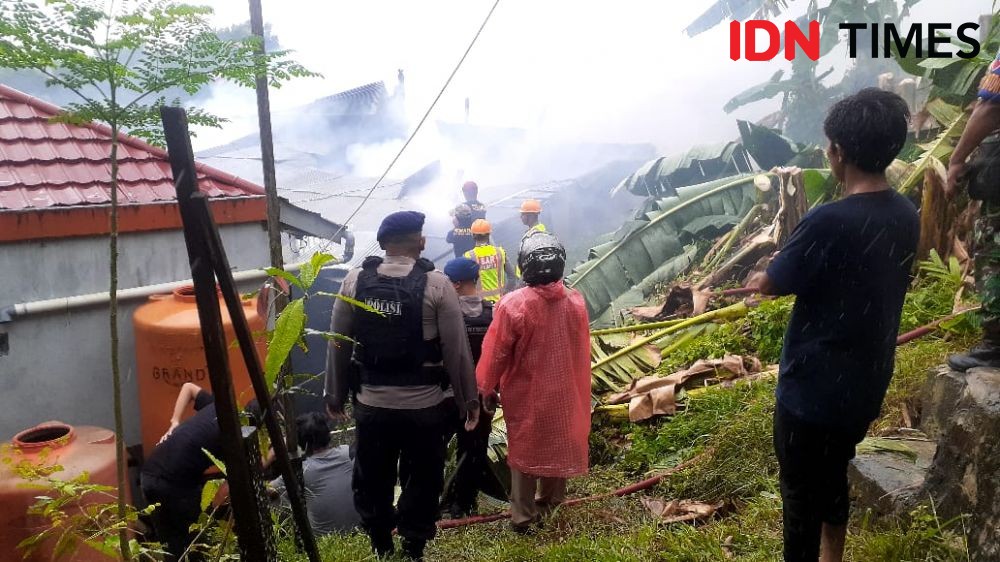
(813, 473)
(179, 508)
(391, 443)
(473, 470)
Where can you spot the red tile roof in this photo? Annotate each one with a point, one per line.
(54, 166)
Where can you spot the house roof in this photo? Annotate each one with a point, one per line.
(342, 109)
(55, 178)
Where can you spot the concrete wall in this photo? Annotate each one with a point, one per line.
(57, 365)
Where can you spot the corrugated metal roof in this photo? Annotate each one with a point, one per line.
(46, 164)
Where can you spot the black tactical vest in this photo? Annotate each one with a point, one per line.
(390, 348)
(476, 327)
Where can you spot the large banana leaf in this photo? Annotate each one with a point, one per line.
(615, 268)
(736, 10)
(953, 79)
(767, 146)
(702, 163)
(936, 152)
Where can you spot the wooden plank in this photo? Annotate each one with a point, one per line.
(252, 530)
(244, 337)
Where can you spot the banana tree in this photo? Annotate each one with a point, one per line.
(656, 242)
(804, 94)
(661, 177)
(935, 154)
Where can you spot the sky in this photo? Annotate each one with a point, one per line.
(621, 71)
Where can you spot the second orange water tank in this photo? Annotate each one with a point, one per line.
(169, 352)
(79, 451)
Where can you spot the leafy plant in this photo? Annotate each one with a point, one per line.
(615, 370)
(933, 297)
(651, 243)
(119, 59)
(290, 326)
(935, 154)
(79, 515)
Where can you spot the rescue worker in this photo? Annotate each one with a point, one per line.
(982, 131)
(460, 237)
(173, 475)
(403, 357)
(495, 270)
(538, 351)
(470, 190)
(530, 209)
(472, 472)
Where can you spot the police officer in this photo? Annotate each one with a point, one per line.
(460, 237)
(495, 270)
(406, 353)
(982, 132)
(470, 190)
(472, 471)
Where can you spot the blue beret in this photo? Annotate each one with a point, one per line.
(402, 222)
(461, 269)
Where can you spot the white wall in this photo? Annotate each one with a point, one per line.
(57, 365)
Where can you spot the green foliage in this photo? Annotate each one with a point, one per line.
(933, 297)
(651, 244)
(79, 515)
(935, 154)
(720, 340)
(914, 362)
(740, 463)
(767, 324)
(290, 327)
(759, 334)
(119, 61)
(953, 80)
(926, 538)
(667, 441)
(288, 331)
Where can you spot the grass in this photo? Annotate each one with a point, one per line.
(732, 427)
(759, 333)
(914, 362)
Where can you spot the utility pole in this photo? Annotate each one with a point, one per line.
(267, 144)
(274, 239)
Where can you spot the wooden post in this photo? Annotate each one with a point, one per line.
(244, 338)
(273, 218)
(267, 142)
(255, 534)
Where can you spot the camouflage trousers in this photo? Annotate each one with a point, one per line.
(987, 268)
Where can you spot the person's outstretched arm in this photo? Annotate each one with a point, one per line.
(984, 120)
(189, 392)
(797, 267)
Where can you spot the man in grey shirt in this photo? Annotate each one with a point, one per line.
(404, 357)
(327, 473)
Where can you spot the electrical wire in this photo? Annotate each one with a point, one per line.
(419, 124)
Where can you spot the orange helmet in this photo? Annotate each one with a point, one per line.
(481, 226)
(531, 206)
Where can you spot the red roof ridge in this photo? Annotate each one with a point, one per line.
(208, 171)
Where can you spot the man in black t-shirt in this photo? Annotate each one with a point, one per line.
(173, 475)
(849, 264)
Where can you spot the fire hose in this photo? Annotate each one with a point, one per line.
(654, 480)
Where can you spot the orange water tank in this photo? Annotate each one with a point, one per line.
(77, 450)
(169, 352)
